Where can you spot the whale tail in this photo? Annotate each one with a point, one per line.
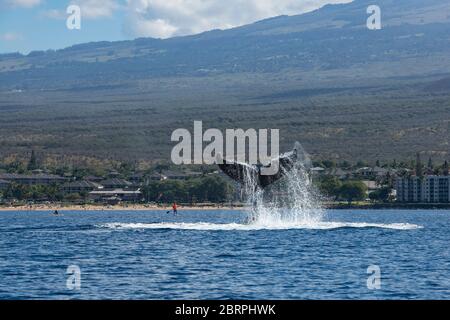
(286, 162)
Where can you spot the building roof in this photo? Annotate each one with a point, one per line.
(93, 178)
(113, 173)
(157, 176)
(83, 184)
(115, 192)
(338, 172)
(181, 175)
(15, 176)
(426, 177)
(380, 170)
(115, 182)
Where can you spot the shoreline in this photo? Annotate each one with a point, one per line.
(199, 207)
(130, 207)
(388, 206)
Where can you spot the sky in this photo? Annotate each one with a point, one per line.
(28, 25)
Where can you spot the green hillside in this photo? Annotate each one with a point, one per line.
(322, 78)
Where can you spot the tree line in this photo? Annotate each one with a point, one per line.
(213, 189)
(346, 190)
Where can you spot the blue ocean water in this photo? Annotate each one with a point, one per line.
(212, 255)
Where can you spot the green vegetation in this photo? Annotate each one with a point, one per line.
(340, 181)
(353, 191)
(98, 130)
(329, 186)
(364, 96)
(33, 193)
(348, 190)
(32, 164)
(208, 189)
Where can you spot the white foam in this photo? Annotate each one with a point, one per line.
(204, 226)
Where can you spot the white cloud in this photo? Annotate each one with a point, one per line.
(167, 18)
(21, 3)
(10, 36)
(54, 14)
(92, 9)
(158, 27)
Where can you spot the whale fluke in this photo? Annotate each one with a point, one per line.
(241, 171)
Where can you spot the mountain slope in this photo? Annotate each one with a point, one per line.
(323, 78)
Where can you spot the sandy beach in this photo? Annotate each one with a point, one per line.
(119, 207)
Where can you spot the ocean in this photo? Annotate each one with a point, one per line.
(349, 254)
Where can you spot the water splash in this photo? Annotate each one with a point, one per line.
(291, 201)
(206, 226)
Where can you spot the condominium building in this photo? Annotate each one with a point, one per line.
(426, 189)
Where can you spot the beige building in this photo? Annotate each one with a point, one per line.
(426, 189)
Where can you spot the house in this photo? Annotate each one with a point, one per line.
(116, 183)
(116, 195)
(170, 175)
(81, 186)
(33, 179)
(370, 173)
(339, 173)
(379, 172)
(365, 172)
(317, 171)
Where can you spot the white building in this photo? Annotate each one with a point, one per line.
(117, 194)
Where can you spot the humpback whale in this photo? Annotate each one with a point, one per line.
(242, 172)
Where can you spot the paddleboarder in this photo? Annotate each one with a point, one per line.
(174, 209)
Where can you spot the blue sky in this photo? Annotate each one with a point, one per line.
(27, 25)
(43, 26)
